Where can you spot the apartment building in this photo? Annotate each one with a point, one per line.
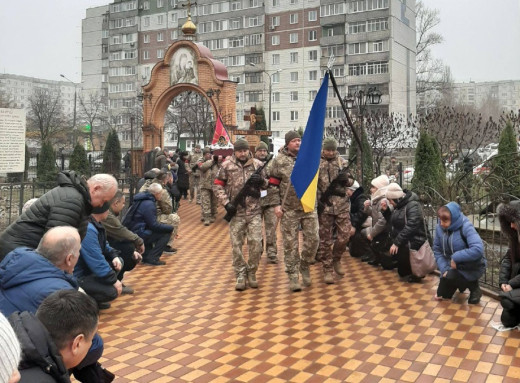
(275, 49)
(506, 93)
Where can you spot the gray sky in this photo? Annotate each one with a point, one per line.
(43, 38)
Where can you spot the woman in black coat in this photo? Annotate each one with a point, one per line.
(509, 276)
(183, 178)
(359, 245)
(408, 227)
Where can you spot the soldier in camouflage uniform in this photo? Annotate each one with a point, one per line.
(235, 172)
(292, 215)
(194, 173)
(268, 201)
(208, 167)
(334, 208)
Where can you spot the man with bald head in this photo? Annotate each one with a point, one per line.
(68, 204)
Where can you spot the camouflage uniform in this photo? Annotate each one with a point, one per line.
(166, 215)
(280, 177)
(247, 222)
(194, 159)
(208, 170)
(336, 216)
(268, 202)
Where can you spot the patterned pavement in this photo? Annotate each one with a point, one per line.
(186, 323)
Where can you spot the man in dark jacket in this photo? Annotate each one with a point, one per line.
(57, 338)
(130, 245)
(98, 265)
(68, 204)
(142, 220)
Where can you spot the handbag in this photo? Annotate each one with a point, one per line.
(422, 261)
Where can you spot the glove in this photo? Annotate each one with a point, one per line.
(256, 180)
(195, 167)
(230, 209)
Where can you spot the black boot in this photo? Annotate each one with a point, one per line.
(474, 293)
(93, 373)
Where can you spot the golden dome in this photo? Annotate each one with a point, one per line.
(189, 28)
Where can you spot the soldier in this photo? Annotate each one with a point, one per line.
(333, 208)
(208, 166)
(268, 201)
(194, 173)
(236, 172)
(292, 215)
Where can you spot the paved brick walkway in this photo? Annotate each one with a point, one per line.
(186, 323)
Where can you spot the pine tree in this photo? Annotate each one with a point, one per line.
(261, 123)
(47, 170)
(505, 164)
(112, 154)
(429, 172)
(368, 163)
(79, 162)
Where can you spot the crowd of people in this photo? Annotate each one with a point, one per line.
(66, 255)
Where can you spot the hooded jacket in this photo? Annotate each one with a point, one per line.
(510, 264)
(27, 278)
(66, 205)
(407, 220)
(141, 218)
(449, 244)
(358, 216)
(41, 359)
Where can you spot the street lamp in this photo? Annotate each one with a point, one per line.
(270, 89)
(74, 118)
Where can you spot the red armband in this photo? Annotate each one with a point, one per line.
(274, 181)
(219, 182)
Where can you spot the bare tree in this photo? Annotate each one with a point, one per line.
(45, 117)
(6, 100)
(92, 110)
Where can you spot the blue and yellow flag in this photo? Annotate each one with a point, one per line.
(304, 176)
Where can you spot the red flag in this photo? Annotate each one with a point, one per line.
(220, 136)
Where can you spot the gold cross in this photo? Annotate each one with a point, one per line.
(189, 6)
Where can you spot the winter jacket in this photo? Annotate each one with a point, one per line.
(66, 205)
(141, 218)
(208, 172)
(409, 229)
(27, 278)
(329, 170)
(510, 264)
(183, 178)
(231, 178)
(461, 243)
(115, 231)
(41, 361)
(358, 216)
(161, 161)
(194, 159)
(96, 255)
(380, 225)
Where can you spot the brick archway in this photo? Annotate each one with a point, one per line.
(187, 66)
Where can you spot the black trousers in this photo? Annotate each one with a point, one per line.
(155, 245)
(127, 249)
(98, 289)
(359, 245)
(403, 261)
(511, 312)
(453, 281)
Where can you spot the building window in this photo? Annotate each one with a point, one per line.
(276, 3)
(377, 4)
(294, 76)
(146, 5)
(294, 96)
(293, 57)
(313, 75)
(312, 95)
(292, 2)
(275, 98)
(377, 46)
(293, 18)
(275, 77)
(160, 3)
(160, 53)
(160, 36)
(146, 55)
(313, 15)
(253, 22)
(357, 27)
(332, 9)
(294, 115)
(358, 6)
(236, 5)
(146, 21)
(236, 42)
(160, 19)
(254, 3)
(275, 40)
(313, 55)
(276, 59)
(357, 48)
(293, 38)
(235, 24)
(276, 116)
(275, 21)
(313, 35)
(377, 25)
(174, 35)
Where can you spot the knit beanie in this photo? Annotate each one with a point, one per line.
(261, 146)
(10, 350)
(394, 191)
(354, 186)
(291, 135)
(381, 181)
(197, 146)
(330, 144)
(206, 150)
(241, 144)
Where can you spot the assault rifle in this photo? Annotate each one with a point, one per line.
(337, 186)
(249, 189)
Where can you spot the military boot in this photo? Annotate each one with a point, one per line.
(338, 267)
(306, 274)
(474, 293)
(328, 278)
(206, 222)
(241, 283)
(294, 283)
(251, 279)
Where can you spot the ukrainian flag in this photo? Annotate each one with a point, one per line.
(304, 176)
